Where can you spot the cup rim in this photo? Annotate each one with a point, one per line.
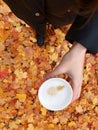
(63, 104)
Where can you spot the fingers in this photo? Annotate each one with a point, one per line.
(58, 70)
(51, 75)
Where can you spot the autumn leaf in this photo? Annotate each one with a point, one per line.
(20, 74)
(30, 127)
(21, 97)
(23, 65)
(3, 35)
(43, 111)
(15, 35)
(71, 124)
(3, 73)
(95, 125)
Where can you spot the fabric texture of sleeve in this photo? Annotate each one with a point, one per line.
(85, 32)
(27, 12)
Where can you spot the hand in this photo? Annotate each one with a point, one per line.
(72, 64)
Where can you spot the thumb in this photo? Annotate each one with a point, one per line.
(76, 90)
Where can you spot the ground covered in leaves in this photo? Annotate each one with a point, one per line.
(22, 67)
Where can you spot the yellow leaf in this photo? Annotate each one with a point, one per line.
(79, 109)
(51, 125)
(3, 35)
(51, 49)
(20, 74)
(33, 39)
(60, 35)
(54, 57)
(30, 127)
(95, 101)
(21, 97)
(43, 111)
(33, 91)
(30, 118)
(1, 92)
(21, 36)
(72, 123)
(13, 125)
(20, 50)
(37, 128)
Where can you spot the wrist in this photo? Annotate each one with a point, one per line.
(79, 48)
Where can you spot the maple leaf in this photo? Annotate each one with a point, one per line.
(79, 109)
(71, 123)
(28, 52)
(51, 126)
(30, 127)
(3, 73)
(2, 47)
(15, 35)
(4, 9)
(1, 92)
(3, 35)
(21, 97)
(95, 125)
(13, 125)
(17, 39)
(54, 57)
(43, 111)
(20, 74)
(30, 118)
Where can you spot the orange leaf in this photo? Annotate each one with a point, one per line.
(95, 124)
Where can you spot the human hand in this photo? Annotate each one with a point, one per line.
(72, 64)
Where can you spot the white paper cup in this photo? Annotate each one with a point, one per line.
(55, 94)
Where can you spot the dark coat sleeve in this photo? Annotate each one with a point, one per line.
(85, 32)
(27, 10)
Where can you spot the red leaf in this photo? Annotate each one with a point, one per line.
(15, 35)
(3, 73)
